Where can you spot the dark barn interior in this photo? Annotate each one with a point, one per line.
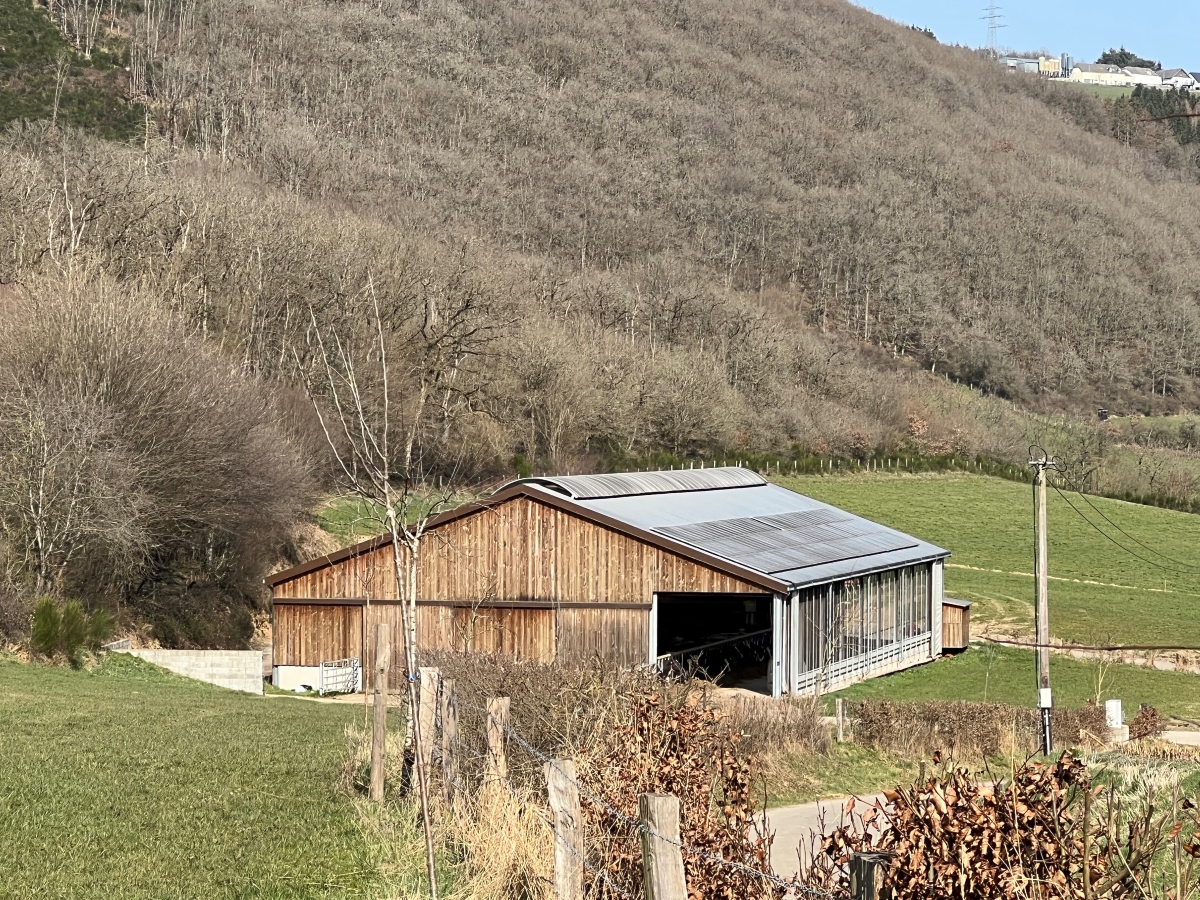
(725, 637)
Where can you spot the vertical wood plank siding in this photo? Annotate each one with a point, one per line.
(956, 626)
(609, 634)
(520, 550)
(306, 635)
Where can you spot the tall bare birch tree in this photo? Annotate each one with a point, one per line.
(372, 408)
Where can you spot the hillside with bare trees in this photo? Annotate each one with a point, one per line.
(592, 232)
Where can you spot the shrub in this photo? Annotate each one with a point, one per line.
(68, 630)
(1036, 834)
(629, 733)
(965, 729)
(562, 710)
(14, 612)
(1147, 723)
(668, 741)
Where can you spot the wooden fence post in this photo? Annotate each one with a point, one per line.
(427, 710)
(449, 738)
(662, 857)
(568, 829)
(379, 728)
(841, 720)
(497, 733)
(866, 875)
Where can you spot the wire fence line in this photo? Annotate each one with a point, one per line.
(473, 754)
(636, 825)
(559, 839)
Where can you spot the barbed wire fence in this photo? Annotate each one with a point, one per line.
(640, 827)
(663, 851)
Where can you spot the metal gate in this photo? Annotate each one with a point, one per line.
(338, 676)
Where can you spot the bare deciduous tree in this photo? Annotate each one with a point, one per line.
(371, 406)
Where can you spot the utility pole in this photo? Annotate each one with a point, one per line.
(1041, 579)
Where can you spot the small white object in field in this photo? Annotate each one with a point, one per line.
(1113, 713)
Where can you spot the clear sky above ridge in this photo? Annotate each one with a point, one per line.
(1169, 33)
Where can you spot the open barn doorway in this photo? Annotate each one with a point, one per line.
(725, 638)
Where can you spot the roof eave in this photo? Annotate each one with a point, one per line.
(938, 553)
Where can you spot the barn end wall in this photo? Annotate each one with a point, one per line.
(522, 578)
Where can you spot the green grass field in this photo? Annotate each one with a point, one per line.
(130, 782)
(1103, 91)
(846, 769)
(1099, 593)
(1006, 675)
(352, 519)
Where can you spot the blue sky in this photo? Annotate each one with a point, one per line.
(1168, 32)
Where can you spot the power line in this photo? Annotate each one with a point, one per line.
(1109, 537)
(1099, 649)
(993, 16)
(1101, 514)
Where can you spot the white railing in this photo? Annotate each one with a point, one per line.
(338, 676)
(879, 661)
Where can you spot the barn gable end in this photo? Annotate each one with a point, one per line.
(524, 576)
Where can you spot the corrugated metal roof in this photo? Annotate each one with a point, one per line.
(748, 521)
(630, 484)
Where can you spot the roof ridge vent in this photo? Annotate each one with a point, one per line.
(632, 484)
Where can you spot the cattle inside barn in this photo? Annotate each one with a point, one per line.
(716, 567)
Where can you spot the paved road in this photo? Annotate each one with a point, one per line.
(794, 825)
(1189, 738)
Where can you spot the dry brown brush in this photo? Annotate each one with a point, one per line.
(679, 745)
(629, 733)
(968, 730)
(1146, 724)
(1043, 832)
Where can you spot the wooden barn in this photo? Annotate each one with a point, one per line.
(709, 566)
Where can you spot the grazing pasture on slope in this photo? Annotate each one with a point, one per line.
(1099, 592)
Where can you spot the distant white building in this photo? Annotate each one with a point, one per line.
(1089, 73)
(1020, 63)
(1177, 78)
(1147, 77)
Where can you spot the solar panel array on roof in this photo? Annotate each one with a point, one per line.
(736, 515)
(630, 484)
(790, 541)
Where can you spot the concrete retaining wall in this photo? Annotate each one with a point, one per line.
(238, 670)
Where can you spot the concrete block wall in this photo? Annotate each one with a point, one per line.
(238, 670)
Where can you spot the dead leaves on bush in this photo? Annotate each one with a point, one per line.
(671, 744)
(1044, 832)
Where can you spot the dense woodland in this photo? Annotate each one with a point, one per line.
(592, 231)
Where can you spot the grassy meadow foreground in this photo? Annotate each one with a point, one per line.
(131, 782)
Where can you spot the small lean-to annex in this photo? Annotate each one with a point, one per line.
(635, 568)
